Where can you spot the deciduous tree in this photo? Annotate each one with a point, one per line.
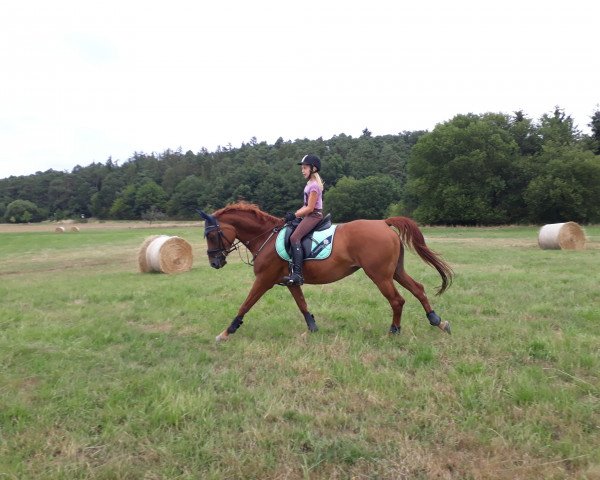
(22, 211)
(458, 173)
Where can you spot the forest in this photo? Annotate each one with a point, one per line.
(474, 169)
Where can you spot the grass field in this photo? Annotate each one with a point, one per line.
(107, 373)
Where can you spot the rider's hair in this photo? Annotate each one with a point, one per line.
(317, 178)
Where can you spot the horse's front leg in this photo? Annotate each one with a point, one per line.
(296, 292)
(258, 290)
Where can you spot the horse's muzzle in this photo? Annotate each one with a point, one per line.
(218, 262)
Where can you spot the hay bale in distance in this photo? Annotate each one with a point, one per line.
(59, 230)
(74, 228)
(165, 254)
(565, 236)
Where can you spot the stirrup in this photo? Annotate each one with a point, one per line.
(293, 280)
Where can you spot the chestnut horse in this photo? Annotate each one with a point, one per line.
(368, 244)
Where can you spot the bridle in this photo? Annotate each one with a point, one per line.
(223, 250)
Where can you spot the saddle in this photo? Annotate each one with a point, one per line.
(316, 245)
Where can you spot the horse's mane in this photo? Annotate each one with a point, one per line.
(246, 207)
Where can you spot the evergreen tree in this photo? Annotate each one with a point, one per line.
(558, 129)
(595, 126)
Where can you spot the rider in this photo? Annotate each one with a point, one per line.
(311, 213)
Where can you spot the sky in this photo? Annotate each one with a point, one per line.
(85, 81)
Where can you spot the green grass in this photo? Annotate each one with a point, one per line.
(106, 373)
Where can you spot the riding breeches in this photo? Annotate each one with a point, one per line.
(306, 225)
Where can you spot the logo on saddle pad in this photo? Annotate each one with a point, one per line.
(317, 245)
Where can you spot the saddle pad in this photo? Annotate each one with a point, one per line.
(321, 244)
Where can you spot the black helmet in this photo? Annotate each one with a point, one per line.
(311, 160)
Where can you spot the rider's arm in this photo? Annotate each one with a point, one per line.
(308, 209)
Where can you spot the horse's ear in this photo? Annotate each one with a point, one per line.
(204, 215)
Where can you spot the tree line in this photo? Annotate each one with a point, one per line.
(475, 169)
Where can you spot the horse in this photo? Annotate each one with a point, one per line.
(376, 246)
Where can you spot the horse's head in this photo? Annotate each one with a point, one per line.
(220, 240)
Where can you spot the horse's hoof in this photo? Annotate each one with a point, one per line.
(394, 330)
(445, 326)
(221, 337)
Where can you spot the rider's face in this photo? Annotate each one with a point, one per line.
(306, 171)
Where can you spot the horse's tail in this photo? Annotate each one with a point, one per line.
(411, 236)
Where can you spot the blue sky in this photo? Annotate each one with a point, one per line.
(85, 81)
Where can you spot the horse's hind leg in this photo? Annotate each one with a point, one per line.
(413, 287)
(389, 291)
(296, 292)
(418, 291)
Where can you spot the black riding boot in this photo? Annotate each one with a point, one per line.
(297, 258)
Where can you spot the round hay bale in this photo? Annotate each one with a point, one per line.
(59, 230)
(74, 228)
(165, 254)
(565, 236)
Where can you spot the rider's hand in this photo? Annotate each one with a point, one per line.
(289, 217)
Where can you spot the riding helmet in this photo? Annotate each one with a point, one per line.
(311, 160)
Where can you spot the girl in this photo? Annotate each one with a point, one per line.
(311, 213)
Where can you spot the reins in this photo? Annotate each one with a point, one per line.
(273, 232)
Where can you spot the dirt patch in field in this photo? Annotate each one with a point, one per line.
(500, 242)
(93, 225)
(497, 242)
(85, 258)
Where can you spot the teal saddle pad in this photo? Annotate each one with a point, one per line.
(317, 245)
